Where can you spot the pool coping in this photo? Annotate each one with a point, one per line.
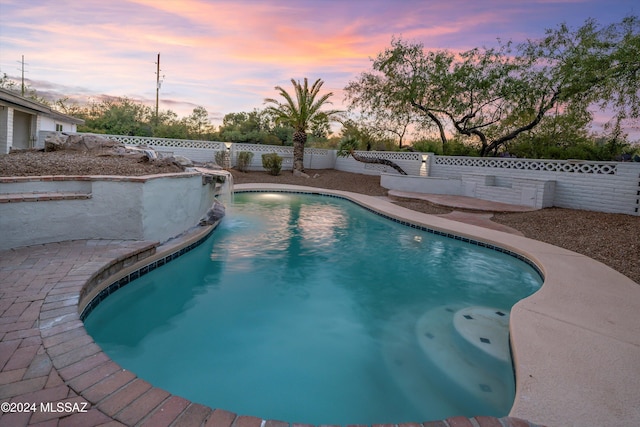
(598, 391)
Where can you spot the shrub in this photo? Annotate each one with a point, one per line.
(244, 160)
(220, 156)
(428, 146)
(272, 163)
(458, 148)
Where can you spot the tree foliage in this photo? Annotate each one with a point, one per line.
(365, 136)
(120, 116)
(255, 127)
(123, 116)
(492, 96)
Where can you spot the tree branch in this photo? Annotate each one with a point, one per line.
(377, 160)
(513, 134)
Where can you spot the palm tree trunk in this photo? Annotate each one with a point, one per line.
(299, 140)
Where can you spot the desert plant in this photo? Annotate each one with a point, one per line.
(272, 163)
(220, 157)
(244, 160)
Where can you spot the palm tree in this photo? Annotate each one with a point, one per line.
(300, 113)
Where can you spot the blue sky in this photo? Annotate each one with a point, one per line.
(227, 56)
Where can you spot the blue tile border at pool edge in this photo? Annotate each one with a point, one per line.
(123, 281)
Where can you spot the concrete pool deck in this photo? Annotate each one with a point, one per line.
(576, 342)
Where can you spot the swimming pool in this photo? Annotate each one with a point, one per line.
(311, 309)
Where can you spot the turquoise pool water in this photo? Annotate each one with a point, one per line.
(311, 309)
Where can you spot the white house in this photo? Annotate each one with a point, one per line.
(22, 119)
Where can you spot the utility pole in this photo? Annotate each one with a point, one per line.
(158, 84)
(22, 71)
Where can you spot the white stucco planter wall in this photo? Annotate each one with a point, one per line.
(517, 191)
(421, 184)
(171, 206)
(156, 207)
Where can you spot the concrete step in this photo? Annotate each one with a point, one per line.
(42, 197)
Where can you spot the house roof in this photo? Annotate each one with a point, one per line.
(14, 100)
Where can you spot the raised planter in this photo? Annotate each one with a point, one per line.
(516, 191)
(36, 210)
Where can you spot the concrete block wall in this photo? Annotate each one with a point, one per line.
(199, 151)
(411, 163)
(598, 186)
(314, 158)
(516, 191)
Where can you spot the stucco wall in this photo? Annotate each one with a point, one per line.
(170, 206)
(153, 208)
(420, 184)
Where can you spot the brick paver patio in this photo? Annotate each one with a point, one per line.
(49, 362)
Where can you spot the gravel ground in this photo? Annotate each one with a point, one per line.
(613, 239)
(33, 163)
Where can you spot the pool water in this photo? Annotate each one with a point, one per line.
(311, 309)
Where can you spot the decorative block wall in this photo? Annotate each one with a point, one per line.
(597, 186)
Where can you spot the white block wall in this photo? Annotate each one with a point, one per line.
(597, 186)
(314, 158)
(197, 151)
(411, 163)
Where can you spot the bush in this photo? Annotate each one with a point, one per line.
(428, 146)
(244, 160)
(272, 163)
(220, 156)
(458, 148)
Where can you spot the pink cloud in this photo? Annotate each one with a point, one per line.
(228, 55)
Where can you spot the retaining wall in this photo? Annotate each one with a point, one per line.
(36, 210)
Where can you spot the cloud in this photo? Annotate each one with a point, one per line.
(228, 55)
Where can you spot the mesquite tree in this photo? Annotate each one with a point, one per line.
(493, 95)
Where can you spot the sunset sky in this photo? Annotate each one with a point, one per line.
(228, 55)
